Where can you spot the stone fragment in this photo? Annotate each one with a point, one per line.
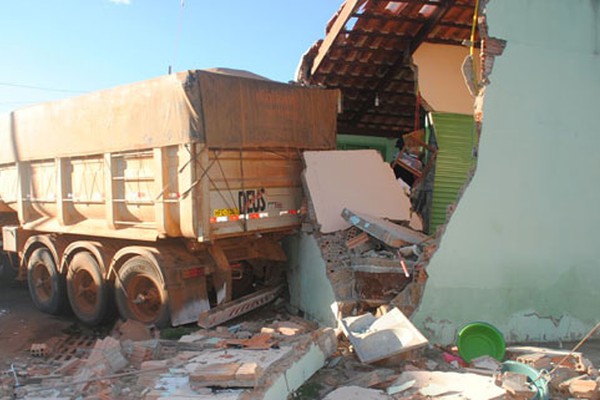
(226, 375)
(134, 330)
(356, 393)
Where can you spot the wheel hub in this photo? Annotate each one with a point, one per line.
(43, 283)
(144, 298)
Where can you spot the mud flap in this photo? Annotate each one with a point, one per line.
(187, 299)
(222, 275)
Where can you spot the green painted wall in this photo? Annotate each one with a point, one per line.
(385, 146)
(308, 285)
(521, 251)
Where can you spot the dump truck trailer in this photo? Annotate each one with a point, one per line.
(166, 198)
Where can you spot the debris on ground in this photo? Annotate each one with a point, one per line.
(271, 355)
(263, 358)
(375, 339)
(433, 373)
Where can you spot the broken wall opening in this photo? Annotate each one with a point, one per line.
(439, 139)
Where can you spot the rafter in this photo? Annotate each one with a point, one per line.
(426, 28)
(339, 24)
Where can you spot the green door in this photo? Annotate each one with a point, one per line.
(455, 134)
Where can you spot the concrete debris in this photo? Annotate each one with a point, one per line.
(460, 385)
(370, 261)
(226, 375)
(517, 385)
(400, 388)
(197, 367)
(486, 362)
(372, 378)
(106, 356)
(357, 393)
(393, 235)
(132, 330)
(261, 341)
(375, 339)
(581, 387)
(359, 180)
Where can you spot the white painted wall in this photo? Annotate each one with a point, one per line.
(522, 250)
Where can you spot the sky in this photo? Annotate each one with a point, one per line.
(78, 46)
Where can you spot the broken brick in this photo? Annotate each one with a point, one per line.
(517, 385)
(581, 387)
(538, 361)
(39, 350)
(134, 330)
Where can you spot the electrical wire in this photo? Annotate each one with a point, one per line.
(22, 102)
(39, 88)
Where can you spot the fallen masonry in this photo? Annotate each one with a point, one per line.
(276, 355)
(369, 240)
(249, 360)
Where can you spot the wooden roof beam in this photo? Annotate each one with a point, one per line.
(340, 22)
(391, 17)
(375, 34)
(426, 29)
(423, 2)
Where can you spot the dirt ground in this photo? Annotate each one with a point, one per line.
(21, 324)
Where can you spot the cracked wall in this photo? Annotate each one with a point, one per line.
(520, 251)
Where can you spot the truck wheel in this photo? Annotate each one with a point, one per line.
(87, 290)
(140, 294)
(46, 286)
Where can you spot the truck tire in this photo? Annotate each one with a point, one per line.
(87, 289)
(46, 285)
(140, 294)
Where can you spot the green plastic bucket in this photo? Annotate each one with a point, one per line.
(478, 339)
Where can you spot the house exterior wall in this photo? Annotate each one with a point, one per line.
(521, 250)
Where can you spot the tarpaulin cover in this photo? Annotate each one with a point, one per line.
(194, 106)
(239, 113)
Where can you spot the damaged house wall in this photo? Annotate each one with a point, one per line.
(520, 250)
(309, 288)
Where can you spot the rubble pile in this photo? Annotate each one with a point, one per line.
(248, 360)
(369, 238)
(271, 356)
(435, 372)
(367, 272)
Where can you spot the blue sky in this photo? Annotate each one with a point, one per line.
(86, 45)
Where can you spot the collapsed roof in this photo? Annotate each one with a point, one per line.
(367, 54)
